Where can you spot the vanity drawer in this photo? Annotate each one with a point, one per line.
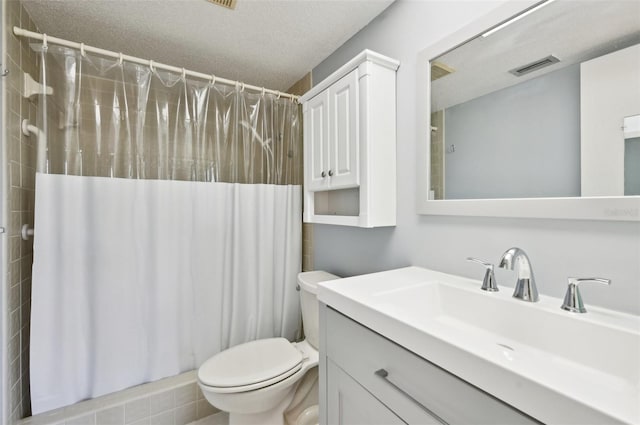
(352, 404)
(414, 389)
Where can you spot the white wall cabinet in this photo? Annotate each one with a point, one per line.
(331, 130)
(350, 144)
(316, 132)
(380, 378)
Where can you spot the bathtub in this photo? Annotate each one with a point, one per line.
(174, 401)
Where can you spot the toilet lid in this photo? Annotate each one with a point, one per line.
(250, 363)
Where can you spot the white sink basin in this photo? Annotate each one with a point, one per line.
(558, 367)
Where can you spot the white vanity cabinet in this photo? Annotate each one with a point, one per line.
(350, 144)
(351, 403)
(366, 378)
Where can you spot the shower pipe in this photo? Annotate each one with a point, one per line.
(152, 64)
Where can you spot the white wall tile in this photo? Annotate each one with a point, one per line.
(161, 402)
(185, 394)
(111, 416)
(134, 406)
(136, 410)
(166, 418)
(82, 420)
(186, 414)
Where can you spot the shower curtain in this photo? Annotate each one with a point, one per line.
(167, 225)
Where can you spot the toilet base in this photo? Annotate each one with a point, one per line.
(274, 416)
(309, 416)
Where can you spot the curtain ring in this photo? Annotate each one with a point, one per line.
(237, 85)
(121, 59)
(82, 52)
(151, 66)
(242, 87)
(263, 91)
(213, 79)
(44, 41)
(184, 74)
(279, 94)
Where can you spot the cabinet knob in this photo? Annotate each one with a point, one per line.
(330, 173)
(323, 174)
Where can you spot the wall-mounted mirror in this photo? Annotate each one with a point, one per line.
(631, 129)
(525, 113)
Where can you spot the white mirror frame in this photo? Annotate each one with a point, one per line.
(614, 208)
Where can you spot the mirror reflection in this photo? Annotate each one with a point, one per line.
(536, 107)
(631, 129)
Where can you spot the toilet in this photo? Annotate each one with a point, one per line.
(256, 381)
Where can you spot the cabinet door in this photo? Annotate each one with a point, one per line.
(343, 127)
(349, 403)
(316, 129)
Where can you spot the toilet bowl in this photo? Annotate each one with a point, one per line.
(256, 381)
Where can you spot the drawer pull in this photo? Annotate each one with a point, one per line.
(382, 373)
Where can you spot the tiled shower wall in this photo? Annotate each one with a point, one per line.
(299, 88)
(437, 154)
(20, 162)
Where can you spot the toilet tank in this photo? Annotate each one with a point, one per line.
(308, 282)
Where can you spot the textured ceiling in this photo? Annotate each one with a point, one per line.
(573, 31)
(269, 43)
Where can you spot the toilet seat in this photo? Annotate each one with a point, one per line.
(254, 386)
(251, 366)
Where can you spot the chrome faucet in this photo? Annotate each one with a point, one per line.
(572, 299)
(526, 289)
(489, 281)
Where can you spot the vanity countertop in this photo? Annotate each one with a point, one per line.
(556, 366)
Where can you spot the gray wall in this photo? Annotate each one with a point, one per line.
(3, 242)
(557, 248)
(519, 142)
(631, 168)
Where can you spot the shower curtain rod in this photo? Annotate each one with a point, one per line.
(118, 55)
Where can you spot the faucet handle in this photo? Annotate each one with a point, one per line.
(572, 299)
(489, 281)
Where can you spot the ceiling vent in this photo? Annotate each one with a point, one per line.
(229, 4)
(439, 70)
(534, 66)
